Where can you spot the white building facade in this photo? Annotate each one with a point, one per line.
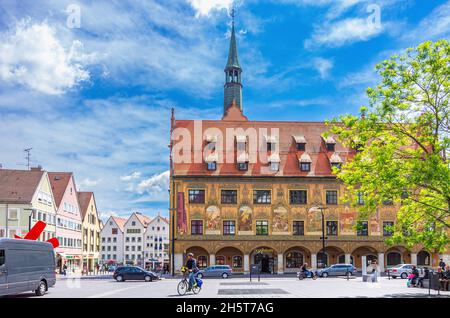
(134, 231)
(157, 243)
(111, 241)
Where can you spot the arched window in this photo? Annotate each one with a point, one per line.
(202, 261)
(237, 261)
(294, 260)
(393, 258)
(220, 260)
(423, 258)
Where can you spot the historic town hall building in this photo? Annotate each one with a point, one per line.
(246, 192)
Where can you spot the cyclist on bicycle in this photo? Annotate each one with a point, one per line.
(192, 268)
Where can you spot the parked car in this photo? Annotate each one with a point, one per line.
(223, 271)
(26, 266)
(337, 270)
(124, 273)
(402, 270)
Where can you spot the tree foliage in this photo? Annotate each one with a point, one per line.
(402, 143)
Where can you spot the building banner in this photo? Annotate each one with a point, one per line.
(181, 215)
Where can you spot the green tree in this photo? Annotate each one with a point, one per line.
(402, 143)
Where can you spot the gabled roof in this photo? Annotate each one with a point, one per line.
(119, 221)
(59, 182)
(83, 199)
(19, 186)
(143, 219)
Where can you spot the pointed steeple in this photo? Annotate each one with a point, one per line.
(233, 71)
(233, 60)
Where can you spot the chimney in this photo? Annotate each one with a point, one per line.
(37, 168)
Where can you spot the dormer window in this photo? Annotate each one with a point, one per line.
(274, 161)
(211, 166)
(271, 142)
(242, 161)
(330, 143)
(336, 161)
(300, 140)
(243, 166)
(305, 162)
(305, 166)
(211, 162)
(331, 147)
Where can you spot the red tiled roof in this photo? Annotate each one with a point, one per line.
(19, 186)
(143, 219)
(120, 222)
(83, 199)
(288, 154)
(59, 182)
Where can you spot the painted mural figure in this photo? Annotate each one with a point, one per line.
(245, 219)
(314, 219)
(280, 220)
(212, 220)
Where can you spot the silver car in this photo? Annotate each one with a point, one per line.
(402, 270)
(223, 271)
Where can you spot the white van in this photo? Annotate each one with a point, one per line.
(26, 266)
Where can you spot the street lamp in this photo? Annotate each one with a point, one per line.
(323, 238)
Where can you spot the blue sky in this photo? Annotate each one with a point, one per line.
(95, 99)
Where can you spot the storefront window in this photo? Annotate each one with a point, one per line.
(294, 260)
(202, 261)
(220, 260)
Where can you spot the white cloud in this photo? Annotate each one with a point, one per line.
(204, 7)
(87, 183)
(339, 33)
(32, 56)
(135, 175)
(156, 184)
(433, 27)
(323, 66)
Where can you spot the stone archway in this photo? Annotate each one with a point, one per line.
(266, 257)
(295, 257)
(369, 252)
(396, 255)
(231, 256)
(423, 258)
(200, 254)
(330, 257)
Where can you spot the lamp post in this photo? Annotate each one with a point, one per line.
(323, 238)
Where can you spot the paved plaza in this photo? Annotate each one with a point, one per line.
(274, 287)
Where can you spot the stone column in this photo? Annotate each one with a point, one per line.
(381, 262)
(212, 259)
(348, 259)
(314, 261)
(246, 263)
(414, 258)
(178, 261)
(364, 264)
(280, 268)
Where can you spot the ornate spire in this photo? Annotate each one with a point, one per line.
(233, 71)
(233, 60)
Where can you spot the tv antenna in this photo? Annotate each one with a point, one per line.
(28, 156)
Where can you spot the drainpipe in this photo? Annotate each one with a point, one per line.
(6, 224)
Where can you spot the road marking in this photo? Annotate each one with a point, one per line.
(112, 292)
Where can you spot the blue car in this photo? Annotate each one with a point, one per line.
(337, 270)
(223, 271)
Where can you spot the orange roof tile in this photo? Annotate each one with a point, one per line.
(120, 222)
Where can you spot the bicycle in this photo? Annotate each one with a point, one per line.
(183, 285)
